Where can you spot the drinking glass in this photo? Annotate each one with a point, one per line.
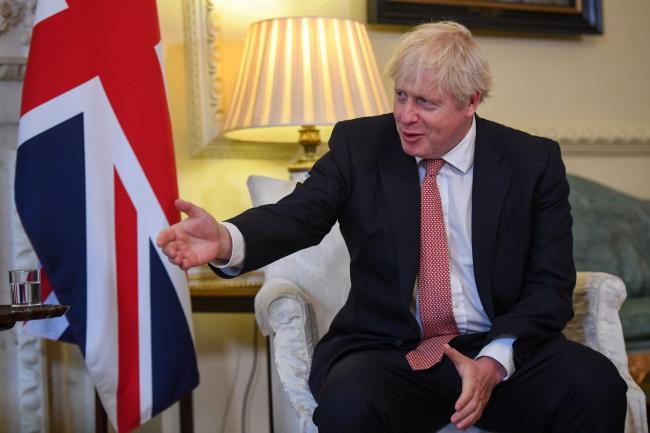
(25, 285)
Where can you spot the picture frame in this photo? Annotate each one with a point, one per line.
(546, 17)
(204, 85)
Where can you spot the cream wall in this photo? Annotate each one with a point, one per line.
(594, 86)
(590, 86)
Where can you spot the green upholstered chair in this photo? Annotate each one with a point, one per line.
(612, 234)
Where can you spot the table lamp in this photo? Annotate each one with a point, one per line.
(300, 74)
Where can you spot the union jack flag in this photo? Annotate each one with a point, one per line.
(95, 183)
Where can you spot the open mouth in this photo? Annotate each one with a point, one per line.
(411, 136)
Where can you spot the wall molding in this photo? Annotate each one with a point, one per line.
(604, 142)
(230, 149)
(203, 76)
(599, 142)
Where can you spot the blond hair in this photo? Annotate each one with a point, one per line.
(447, 51)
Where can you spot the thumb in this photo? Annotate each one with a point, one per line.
(455, 356)
(188, 208)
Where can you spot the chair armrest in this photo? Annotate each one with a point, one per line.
(597, 299)
(284, 312)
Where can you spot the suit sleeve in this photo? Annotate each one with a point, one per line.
(545, 303)
(302, 218)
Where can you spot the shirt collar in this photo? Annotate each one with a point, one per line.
(461, 156)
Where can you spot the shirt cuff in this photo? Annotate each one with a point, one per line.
(500, 349)
(233, 266)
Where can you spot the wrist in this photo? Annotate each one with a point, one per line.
(497, 371)
(224, 241)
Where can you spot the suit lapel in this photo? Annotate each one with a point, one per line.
(400, 182)
(490, 186)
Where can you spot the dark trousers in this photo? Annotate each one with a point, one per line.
(564, 387)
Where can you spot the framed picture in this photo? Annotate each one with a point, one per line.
(559, 17)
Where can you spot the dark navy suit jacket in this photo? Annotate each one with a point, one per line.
(521, 235)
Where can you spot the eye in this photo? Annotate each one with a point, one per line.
(426, 103)
(400, 96)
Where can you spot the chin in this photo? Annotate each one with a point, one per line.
(412, 150)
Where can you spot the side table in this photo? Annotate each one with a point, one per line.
(10, 315)
(213, 295)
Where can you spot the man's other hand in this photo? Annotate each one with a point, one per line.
(479, 378)
(196, 240)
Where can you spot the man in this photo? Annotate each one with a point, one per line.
(459, 232)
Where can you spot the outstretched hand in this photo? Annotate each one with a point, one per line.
(195, 240)
(479, 376)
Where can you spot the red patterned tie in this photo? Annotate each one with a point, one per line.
(434, 287)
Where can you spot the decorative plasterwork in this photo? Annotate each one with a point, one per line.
(202, 56)
(32, 384)
(16, 20)
(12, 68)
(603, 142)
(17, 13)
(32, 407)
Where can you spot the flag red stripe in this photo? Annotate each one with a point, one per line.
(126, 248)
(46, 286)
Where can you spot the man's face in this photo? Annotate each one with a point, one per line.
(430, 123)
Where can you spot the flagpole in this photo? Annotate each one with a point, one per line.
(101, 419)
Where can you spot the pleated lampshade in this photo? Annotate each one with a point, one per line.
(303, 71)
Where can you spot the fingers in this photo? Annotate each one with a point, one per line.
(467, 394)
(476, 391)
(188, 208)
(469, 415)
(165, 236)
(166, 241)
(176, 256)
(469, 406)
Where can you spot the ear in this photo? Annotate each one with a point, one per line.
(472, 105)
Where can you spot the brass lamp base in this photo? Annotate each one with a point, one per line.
(309, 139)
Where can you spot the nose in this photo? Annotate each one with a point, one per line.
(408, 113)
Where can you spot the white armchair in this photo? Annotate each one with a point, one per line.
(302, 293)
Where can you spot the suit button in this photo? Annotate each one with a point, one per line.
(398, 343)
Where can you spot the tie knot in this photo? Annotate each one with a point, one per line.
(433, 166)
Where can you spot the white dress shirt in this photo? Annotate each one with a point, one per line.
(455, 185)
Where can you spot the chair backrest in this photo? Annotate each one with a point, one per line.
(322, 272)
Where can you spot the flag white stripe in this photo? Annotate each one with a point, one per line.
(48, 328)
(102, 135)
(144, 321)
(47, 8)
